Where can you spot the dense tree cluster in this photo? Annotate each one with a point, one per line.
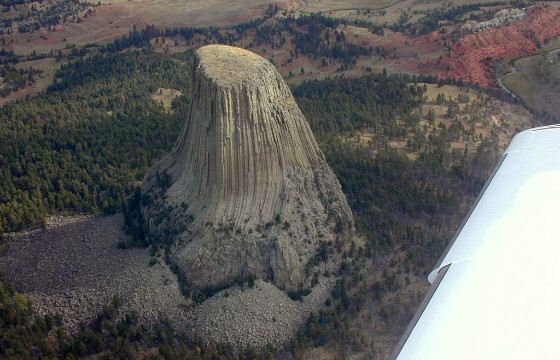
(373, 101)
(8, 57)
(403, 206)
(312, 35)
(22, 335)
(315, 36)
(83, 146)
(12, 79)
(396, 201)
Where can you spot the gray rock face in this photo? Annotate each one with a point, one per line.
(246, 190)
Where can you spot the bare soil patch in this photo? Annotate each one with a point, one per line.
(113, 19)
(333, 5)
(166, 97)
(534, 81)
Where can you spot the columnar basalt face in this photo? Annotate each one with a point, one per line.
(246, 190)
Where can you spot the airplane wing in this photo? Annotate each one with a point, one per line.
(495, 293)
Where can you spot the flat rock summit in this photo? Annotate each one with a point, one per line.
(246, 192)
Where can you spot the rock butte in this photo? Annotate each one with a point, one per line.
(246, 191)
(228, 65)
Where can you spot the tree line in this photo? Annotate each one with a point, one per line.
(83, 145)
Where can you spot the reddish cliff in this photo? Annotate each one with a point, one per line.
(470, 56)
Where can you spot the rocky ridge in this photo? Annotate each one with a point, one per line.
(502, 17)
(470, 56)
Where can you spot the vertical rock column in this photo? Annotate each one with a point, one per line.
(246, 190)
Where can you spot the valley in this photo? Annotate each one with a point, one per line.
(534, 80)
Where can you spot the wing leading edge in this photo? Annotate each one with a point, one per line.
(495, 292)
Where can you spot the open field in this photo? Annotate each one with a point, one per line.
(331, 6)
(386, 12)
(30, 16)
(310, 6)
(42, 81)
(436, 53)
(484, 114)
(176, 13)
(469, 116)
(113, 19)
(536, 81)
(397, 49)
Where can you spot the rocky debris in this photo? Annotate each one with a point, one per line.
(246, 190)
(60, 220)
(471, 55)
(502, 17)
(75, 268)
(245, 194)
(76, 306)
(50, 222)
(255, 317)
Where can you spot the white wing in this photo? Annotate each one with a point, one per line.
(495, 293)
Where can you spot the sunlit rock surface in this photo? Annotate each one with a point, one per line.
(246, 190)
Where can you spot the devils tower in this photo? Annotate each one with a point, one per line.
(246, 192)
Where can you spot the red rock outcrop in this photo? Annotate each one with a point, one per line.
(470, 56)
